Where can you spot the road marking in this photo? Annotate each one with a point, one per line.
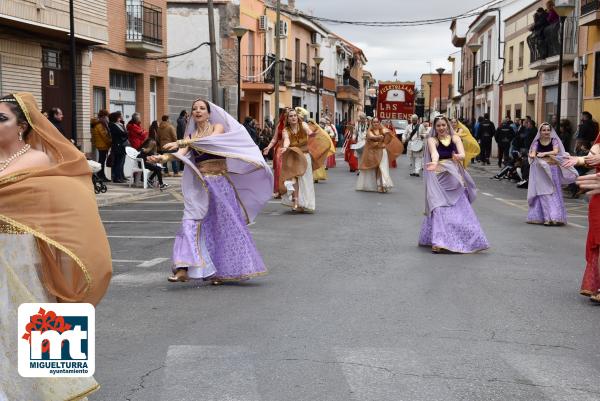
(512, 204)
(157, 202)
(152, 262)
(139, 221)
(127, 261)
(140, 236)
(575, 225)
(177, 196)
(142, 210)
(140, 279)
(487, 194)
(210, 373)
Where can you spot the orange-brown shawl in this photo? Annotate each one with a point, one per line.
(58, 207)
(294, 163)
(373, 150)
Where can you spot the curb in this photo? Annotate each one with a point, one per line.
(126, 198)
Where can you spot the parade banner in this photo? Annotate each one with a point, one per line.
(396, 100)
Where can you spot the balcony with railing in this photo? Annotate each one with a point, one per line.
(301, 75)
(483, 75)
(544, 46)
(312, 78)
(590, 13)
(144, 27)
(347, 89)
(260, 69)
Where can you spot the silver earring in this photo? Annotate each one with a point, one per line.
(20, 136)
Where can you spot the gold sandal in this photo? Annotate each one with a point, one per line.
(180, 275)
(595, 298)
(216, 282)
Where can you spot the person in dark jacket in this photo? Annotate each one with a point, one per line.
(56, 117)
(486, 132)
(504, 136)
(119, 140)
(181, 124)
(251, 128)
(521, 145)
(565, 133)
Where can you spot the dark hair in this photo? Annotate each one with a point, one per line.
(587, 114)
(16, 109)
(153, 129)
(486, 116)
(182, 113)
(114, 116)
(165, 118)
(52, 113)
(102, 113)
(203, 101)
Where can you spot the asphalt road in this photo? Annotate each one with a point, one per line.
(353, 309)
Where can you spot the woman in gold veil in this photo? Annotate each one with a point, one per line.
(53, 247)
(469, 142)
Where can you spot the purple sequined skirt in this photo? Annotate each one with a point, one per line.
(219, 246)
(454, 228)
(549, 208)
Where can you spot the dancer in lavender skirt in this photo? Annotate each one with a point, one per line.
(225, 184)
(450, 224)
(546, 177)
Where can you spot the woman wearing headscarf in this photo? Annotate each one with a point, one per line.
(349, 153)
(450, 223)
(276, 144)
(590, 285)
(546, 177)
(225, 184)
(304, 150)
(381, 145)
(470, 144)
(53, 245)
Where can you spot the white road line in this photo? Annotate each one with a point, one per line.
(140, 279)
(575, 225)
(158, 202)
(140, 237)
(126, 261)
(139, 221)
(141, 210)
(487, 194)
(152, 262)
(210, 373)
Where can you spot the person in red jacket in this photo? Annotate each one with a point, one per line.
(136, 134)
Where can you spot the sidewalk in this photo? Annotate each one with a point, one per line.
(122, 193)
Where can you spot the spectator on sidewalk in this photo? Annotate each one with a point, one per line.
(56, 117)
(167, 134)
(486, 132)
(504, 136)
(149, 148)
(565, 133)
(251, 128)
(101, 139)
(119, 141)
(136, 134)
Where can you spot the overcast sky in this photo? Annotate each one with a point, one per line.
(406, 50)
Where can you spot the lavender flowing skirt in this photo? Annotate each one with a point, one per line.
(549, 208)
(219, 246)
(454, 228)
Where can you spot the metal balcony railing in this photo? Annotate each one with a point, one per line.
(255, 69)
(144, 22)
(546, 43)
(301, 73)
(341, 81)
(588, 6)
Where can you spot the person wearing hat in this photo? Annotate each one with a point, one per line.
(414, 137)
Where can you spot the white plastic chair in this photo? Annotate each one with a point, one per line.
(131, 167)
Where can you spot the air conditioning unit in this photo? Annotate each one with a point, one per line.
(263, 23)
(316, 38)
(283, 29)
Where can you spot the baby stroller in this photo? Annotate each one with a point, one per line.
(99, 185)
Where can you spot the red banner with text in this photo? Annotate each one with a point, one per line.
(396, 100)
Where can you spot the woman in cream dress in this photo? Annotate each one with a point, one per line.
(42, 259)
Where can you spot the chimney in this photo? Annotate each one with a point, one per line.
(292, 4)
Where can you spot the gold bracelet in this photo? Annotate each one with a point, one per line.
(182, 143)
(581, 161)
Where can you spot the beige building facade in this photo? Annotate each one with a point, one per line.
(34, 54)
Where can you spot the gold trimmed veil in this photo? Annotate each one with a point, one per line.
(58, 207)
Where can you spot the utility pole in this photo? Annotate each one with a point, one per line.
(213, 54)
(277, 58)
(73, 67)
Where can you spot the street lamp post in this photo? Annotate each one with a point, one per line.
(429, 83)
(440, 71)
(474, 47)
(239, 32)
(318, 61)
(563, 9)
